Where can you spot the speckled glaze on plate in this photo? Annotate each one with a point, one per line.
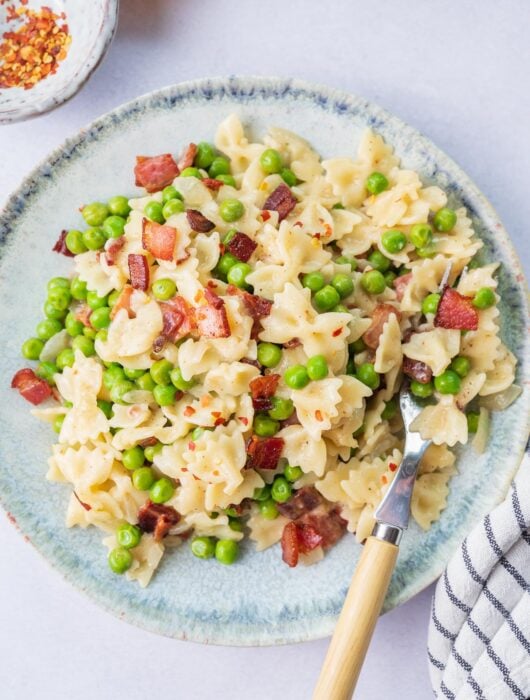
(258, 600)
(91, 24)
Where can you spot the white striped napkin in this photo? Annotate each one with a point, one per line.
(479, 633)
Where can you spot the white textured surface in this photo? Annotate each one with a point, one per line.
(456, 71)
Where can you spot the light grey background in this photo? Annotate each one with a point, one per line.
(458, 71)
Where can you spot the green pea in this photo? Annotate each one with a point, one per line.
(448, 382)
(378, 261)
(444, 219)
(119, 389)
(120, 559)
(94, 238)
(48, 328)
(264, 426)
(389, 410)
(389, 278)
(78, 289)
(133, 458)
(314, 281)
(197, 433)
(219, 166)
(191, 172)
(473, 264)
(226, 262)
(164, 289)
(472, 422)
(271, 161)
(74, 242)
(145, 382)
(154, 211)
(65, 358)
(235, 524)
(95, 301)
(51, 311)
(282, 409)
(179, 382)
(340, 309)
(281, 489)
(169, 193)
(119, 205)
(292, 474)
(106, 407)
(343, 284)
(143, 478)
(162, 490)
(268, 509)
(60, 298)
(231, 210)
(203, 547)
(95, 214)
(296, 377)
(288, 177)
(484, 298)
(420, 235)
(205, 155)
(269, 355)
(152, 450)
(373, 282)
(128, 535)
(113, 297)
(113, 226)
(160, 371)
(164, 394)
(102, 335)
(461, 365)
(317, 367)
(72, 325)
(358, 345)
(237, 275)
(367, 375)
(32, 348)
(394, 241)
(46, 370)
(58, 423)
(113, 374)
(338, 205)
(326, 298)
(376, 183)
(100, 318)
(226, 551)
(262, 494)
(84, 344)
(227, 180)
(430, 304)
(174, 206)
(58, 282)
(133, 374)
(344, 260)
(420, 389)
(428, 251)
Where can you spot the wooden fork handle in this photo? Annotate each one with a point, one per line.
(357, 621)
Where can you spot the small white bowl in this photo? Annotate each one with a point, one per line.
(91, 24)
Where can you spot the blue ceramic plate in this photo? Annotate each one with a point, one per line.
(259, 600)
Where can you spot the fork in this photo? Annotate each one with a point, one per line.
(369, 585)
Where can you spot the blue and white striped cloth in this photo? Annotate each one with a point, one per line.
(479, 633)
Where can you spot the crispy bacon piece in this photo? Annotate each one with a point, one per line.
(112, 248)
(264, 453)
(155, 172)
(326, 521)
(60, 245)
(400, 284)
(157, 518)
(281, 200)
(123, 302)
(241, 246)
(211, 319)
(187, 158)
(159, 239)
(262, 389)
(301, 502)
(198, 221)
(248, 361)
(417, 370)
(138, 271)
(256, 306)
(178, 317)
(212, 184)
(293, 343)
(31, 387)
(83, 314)
(308, 538)
(456, 311)
(381, 314)
(290, 546)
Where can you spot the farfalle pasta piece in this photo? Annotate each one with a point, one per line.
(230, 139)
(435, 348)
(301, 450)
(389, 354)
(442, 423)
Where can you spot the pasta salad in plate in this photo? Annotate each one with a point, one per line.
(225, 358)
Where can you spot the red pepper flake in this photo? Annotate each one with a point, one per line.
(384, 479)
(243, 420)
(392, 467)
(191, 446)
(34, 50)
(189, 411)
(336, 332)
(318, 415)
(265, 215)
(216, 414)
(219, 421)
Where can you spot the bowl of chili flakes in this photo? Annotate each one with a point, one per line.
(48, 51)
